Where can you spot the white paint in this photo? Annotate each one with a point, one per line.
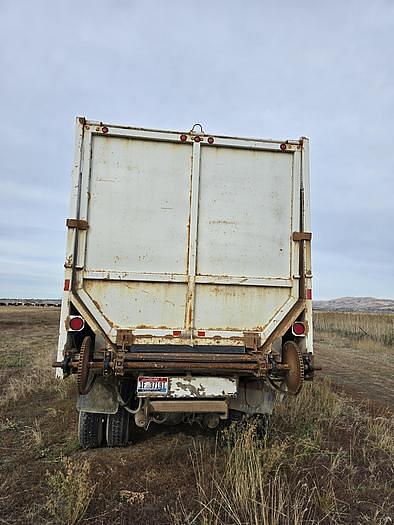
(198, 387)
(185, 236)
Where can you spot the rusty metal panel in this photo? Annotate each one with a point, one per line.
(202, 387)
(199, 387)
(245, 213)
(238, 307)
(245, 232)
(138, 206)
(139, 304)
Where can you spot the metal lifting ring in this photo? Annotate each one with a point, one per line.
(201, 132)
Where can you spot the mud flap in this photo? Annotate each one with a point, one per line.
(254, 397)
(102, 398)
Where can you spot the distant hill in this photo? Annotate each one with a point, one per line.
(356, 304)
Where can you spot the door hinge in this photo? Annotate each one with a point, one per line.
(80, 224)
(302, 236)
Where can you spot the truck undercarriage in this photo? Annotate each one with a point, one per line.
(128, 386)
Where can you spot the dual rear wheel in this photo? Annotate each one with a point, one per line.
(96, 430)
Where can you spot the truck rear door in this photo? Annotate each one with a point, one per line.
(189, 240)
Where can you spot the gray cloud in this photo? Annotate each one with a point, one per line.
(254, 68)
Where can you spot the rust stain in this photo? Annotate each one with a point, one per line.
(98, 306)
(285, 324)
(150, 327)
(68, 263)
(222, 221)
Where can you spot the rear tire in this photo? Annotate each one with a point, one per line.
(241, 422)
(262, 425)
(91, 429)
(118, 428)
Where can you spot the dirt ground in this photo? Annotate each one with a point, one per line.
(142, 483)
(38, 429)
(364, 369)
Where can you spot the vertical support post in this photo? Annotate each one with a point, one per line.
(305, 269)
(72, 233)
(306, 248)
(192, 261)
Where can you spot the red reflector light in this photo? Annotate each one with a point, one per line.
(105, 129)
(183, 138)
(201, 333)
(211, 140)
(298, 328)
(66, 285)
(176, 333)
(197, 139)
(76, 323)
(283, 147)
(309, 293)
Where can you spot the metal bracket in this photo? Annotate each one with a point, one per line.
(106, 363)
(80, 224)
(119, 364)
(66, 364)
(302, 236)
(124, 338)
(251, 340)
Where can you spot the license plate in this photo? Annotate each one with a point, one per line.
(152, 385)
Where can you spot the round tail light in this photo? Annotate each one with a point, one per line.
(298, 328)
(76, 323)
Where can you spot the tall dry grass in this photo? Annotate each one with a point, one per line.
(37, 377)
(323, 461)
(70, 492)
(376, 327)
(29, 337)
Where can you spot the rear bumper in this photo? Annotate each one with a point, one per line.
(191, 406)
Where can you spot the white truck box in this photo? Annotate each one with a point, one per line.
(189, 249)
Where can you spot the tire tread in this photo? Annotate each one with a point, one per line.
(90, 429)
(118, 428)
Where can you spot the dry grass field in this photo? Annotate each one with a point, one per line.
(328, 456)
(356, 351)
(369, 327)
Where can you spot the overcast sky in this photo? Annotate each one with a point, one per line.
(254, 68)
